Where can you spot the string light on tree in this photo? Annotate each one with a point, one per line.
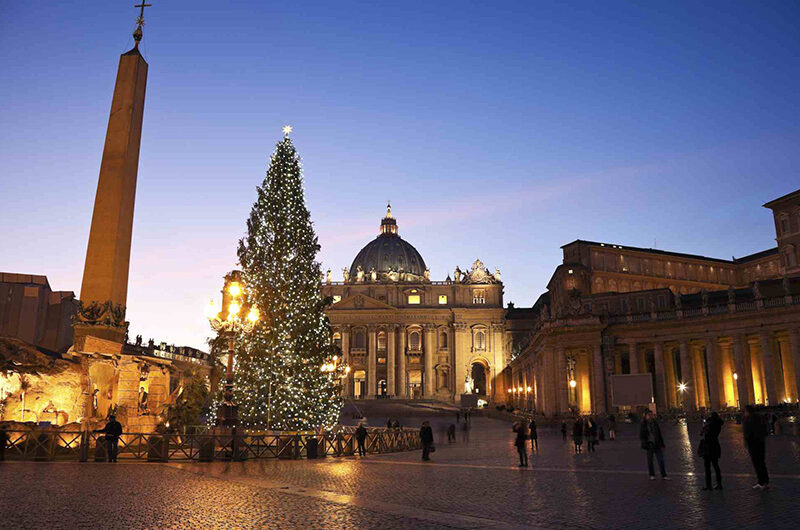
(279, 382)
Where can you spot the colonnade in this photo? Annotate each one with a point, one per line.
(690, 372)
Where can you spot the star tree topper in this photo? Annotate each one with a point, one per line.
(287, 129)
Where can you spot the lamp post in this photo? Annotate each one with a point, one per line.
(228, 322)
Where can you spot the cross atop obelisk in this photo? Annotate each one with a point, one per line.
(104, 291)
(137, 33)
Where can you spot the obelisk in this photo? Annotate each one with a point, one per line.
(105, 275)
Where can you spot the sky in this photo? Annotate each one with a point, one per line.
(498, 130)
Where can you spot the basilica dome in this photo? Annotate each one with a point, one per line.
(390, 256)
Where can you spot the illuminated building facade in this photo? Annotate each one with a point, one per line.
(712, 333)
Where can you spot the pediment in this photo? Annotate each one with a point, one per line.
(361, 301)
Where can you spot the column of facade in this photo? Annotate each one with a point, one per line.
(347, 386)
(460, 357)
(599, 380)
(712, 362)
(770, 377)
(787, 366)
(402, 375)
(499, 356)
(633, 357)
(699, 380)
(687, 396)
(662, 401)
(794, 347)
(562, 383)
(391, 337)
(670, 378)
(429, 345)
(372, 356)
(744, 378)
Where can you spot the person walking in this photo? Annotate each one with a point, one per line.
(710, 449)
(520, 442)
(754, 429)
(564, 430)
(361, 438)
(653, 443)
(577, 435)
(451, 433)
(426, 437)
(591, 428)
(534, 437)
(112, 432)
(612, 427)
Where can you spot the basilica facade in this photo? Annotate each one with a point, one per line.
(710, 333)
(405, 335)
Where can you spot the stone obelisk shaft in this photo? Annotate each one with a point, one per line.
(105, 275)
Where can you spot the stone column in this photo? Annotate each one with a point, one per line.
(430, 351)
(460, 356)
(562, 380)
(662, 401)
(767, 357)
(372, 358)
(744, 381)
(499, 358)
(712, 361)
(347, 386)
(391, 337)
(687, 373)
(402, 378)
(794, 346)
(633, 357)
(598, 377)
(670, 382)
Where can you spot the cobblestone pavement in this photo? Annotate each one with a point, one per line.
(469, 484)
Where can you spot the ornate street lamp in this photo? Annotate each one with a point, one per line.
(228, 322)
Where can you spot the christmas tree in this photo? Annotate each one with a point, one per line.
(279, 381)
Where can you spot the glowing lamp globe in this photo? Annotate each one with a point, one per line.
(234, 289)
(573, 383)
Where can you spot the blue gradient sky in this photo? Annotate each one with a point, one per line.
(499, 130)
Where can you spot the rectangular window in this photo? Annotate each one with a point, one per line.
(414, 299)
(478, 296)
(442, 299)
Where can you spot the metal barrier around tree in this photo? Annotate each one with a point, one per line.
(53, 444)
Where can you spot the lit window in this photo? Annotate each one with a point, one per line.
(480, 340)
(414, 299)
(413, 340)
(337, 298)
(569, 271)
(442, 299)
(478, 296)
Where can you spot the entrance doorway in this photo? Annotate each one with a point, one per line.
(359, 384)
(415, 384)
(478, 375)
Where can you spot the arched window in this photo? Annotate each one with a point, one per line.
(443, 340)
(413, 340)
(382, 341)
(480, 340)
(359, 340)
(337, 340)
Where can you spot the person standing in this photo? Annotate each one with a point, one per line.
(520, 442)
(534, 437)
(711, 449)
(564, 430)
(653, 443)
(112, 432)
(451, 433)
(361, 438)
(458, 415)
(612, 427)
(426, 437)
(577, 435)
(3, 443)
(754, 429)
(591, 427)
